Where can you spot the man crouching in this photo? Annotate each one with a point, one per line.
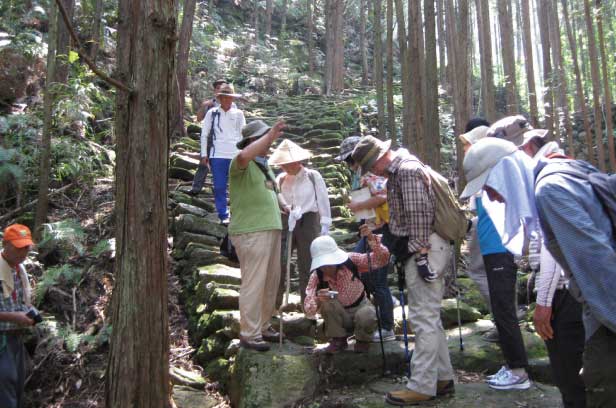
(335, 290)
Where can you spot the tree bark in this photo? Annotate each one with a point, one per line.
(596, 81)
(528, 63)
(96, 29)
(442, 59)
(334, 56)
(255, 21)
(607, 93)
(485, 56)
(363, 46)
(416, 67)
(309, 33)
(138, 370)
(507, 48)
(283, 20)
(432, 128)
(391, 109)
(406, 75)
(581, 100)
(63, 43)
(269, 11)
(378, 67)
(548, 95)
(42, 206)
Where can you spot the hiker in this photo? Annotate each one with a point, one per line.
(220, 133)
(254, 230)
(557, 316)
(14, 322)
(305, 192)
(376, 281)
(411, 201)
(335, 291)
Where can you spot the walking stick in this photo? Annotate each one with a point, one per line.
(401, 285)
(285, 302)
(376, 307)
(455, 283)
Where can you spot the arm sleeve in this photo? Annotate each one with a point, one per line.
(547, 279)
(206, 125)
(322, 199)
(310, 303)
(379, 257)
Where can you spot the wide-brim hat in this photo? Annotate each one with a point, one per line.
(325, 251)
(227, 90)
(368, 151)
(252, 130)
(511, 128)
(479, 161)
(534, 134)
(288, 152)
(475, 135)
(18, 235)
(346, 147)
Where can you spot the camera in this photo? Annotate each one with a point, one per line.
(332, 294)
(35, 315)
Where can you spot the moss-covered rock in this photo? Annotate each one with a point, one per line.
(198, 225)
(449, 313)
(193, 129)
(181, 174)
(183, 239)
(211, 347)
(330, 124)
(183, 162)
(183, 208)
(210, 323)
(471, 296)
(313, 134)
(218, 370)
(220, 273)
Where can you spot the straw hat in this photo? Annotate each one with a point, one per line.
(227, 90)
(288, 152)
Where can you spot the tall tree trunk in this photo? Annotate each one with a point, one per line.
(96, 29)
(559, 68)
(255, 20)
(507, 49)
(442, 61)
(378, 67)
(548, 94)
(283, 21)
(309, 33)
(42, 205)
(138, 369)
(596, 81)
(334, 56)
(406, 75)
(391, 109)
(363, 47)
(416, 66)
(179, 94)
(485, 55)
(269, 11)
(63, 43)
(607, 93)
(581, 100)
(529, 64)
(433, 132)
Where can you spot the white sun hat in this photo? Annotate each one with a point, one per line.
(324, 251)
(288, 152)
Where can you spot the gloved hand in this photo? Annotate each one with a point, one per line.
(324, 229)
(424, 269)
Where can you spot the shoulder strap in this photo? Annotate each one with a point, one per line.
(554, 168)
(267, 174)
(212, 136)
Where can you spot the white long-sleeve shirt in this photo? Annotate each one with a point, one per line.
(227, 132)
(299, 192)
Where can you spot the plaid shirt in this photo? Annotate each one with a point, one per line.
(349, 289)
(411, 200)
(14, 303)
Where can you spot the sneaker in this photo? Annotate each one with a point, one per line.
(500, 372)
(388, 335)
(255, 344)
(509, 381)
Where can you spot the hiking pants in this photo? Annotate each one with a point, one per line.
(566, 347)
(430, 362)
(12, 372)
(376, 282)
(476, 269)
(599, 373)
(199, 180)
(220, 179)
(259, 255)
(340, 321)
(502, 277)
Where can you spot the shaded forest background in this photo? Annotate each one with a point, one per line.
(415, 71)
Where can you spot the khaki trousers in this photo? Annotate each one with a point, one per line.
(339, 322)
(259, 255)
(430, 362)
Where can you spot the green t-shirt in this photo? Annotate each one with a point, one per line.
(254, 206)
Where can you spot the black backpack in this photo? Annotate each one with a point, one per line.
(604, 185)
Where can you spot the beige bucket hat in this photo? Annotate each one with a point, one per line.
(288, 152)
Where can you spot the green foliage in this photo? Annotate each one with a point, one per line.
(67, 234)
(103, 246)
(73, 339)
(9, 172)
(56, 275)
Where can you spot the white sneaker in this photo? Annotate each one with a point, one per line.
(388, 335)
(500, 372)
(509, 381)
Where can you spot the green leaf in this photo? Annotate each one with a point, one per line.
(72, 56)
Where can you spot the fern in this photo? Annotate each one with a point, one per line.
(54, 276)
(73, 339)
(68, 233)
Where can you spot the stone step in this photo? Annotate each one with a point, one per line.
(220, 273)
(198, 225)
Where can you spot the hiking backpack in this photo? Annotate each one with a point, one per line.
(450, 221)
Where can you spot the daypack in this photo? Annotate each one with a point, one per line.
(604, 185)
(450, 221)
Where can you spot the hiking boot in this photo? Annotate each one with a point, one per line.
(255, 344)
(509, 381)
(407, 397)
(361, 347)
(336, 345)
(491, 336)
(271, 335)
(445, 388)
(388, 335)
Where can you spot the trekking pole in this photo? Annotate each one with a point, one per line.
(455, 284)
(376, 307)
(285, 300)
(401, 284)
